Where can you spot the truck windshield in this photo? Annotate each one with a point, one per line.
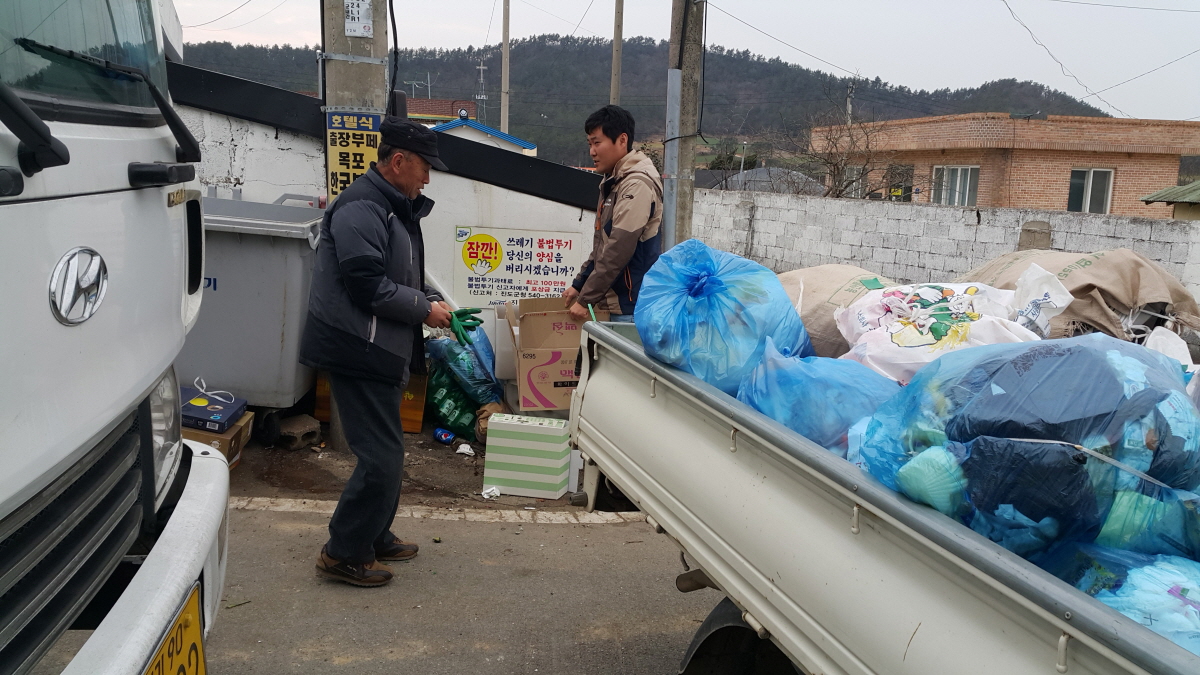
(120, 31)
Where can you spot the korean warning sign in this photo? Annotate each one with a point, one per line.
(352, 141)
(498, 265)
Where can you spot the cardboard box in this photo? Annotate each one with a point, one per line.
(547, 341)
(201, 411)
(412, 404)
(505, 347)
(527, 456)
(229, 443)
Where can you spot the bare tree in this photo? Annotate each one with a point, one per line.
(846, 153)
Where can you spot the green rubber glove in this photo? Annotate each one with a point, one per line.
(462, 321)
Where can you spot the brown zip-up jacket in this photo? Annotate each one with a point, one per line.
(626, 240)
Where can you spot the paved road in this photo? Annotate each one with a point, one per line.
(493, 598)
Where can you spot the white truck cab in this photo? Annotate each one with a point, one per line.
(108, 520)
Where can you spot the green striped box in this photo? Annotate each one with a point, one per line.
(527, 456)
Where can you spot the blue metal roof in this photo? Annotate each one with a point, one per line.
(520, 142)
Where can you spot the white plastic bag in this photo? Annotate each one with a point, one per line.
(896, 331)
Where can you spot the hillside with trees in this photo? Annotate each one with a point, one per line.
(557, 81)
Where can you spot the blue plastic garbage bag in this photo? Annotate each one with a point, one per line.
(816, 397)
(709, 313)
(1087, 439)
(469, 365)
(1160, 592)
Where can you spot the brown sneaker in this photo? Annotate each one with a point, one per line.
(368, 574)
(397, 550)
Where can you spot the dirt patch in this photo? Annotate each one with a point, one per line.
(433, 475)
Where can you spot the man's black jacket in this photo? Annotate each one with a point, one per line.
(368, 296)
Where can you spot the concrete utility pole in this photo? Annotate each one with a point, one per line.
(354, 52)
(614, 87)
(850, 103)
(356, 75)
(504, 75)
(683, 108)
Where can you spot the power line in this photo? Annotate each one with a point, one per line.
(1148, 9)
(197, 25)
(217, 30)
(491, 18)
(1066, 71)
(567, 21)
(1143, 74)
(756, 28)
(585, 13)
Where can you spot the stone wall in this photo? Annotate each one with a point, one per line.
(920, 242)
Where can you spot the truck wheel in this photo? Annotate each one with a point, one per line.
(266, 427)
(726, 645)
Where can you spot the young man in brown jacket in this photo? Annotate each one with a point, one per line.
(627, 240)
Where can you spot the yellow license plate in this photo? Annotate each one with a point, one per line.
(182, 649)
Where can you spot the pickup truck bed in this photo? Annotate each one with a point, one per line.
(844, 575)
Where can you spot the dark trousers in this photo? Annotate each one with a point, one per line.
(370, 414)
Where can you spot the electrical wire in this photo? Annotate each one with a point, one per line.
(218, 30)
(585, 13)
(786, 44)
(491, 18)
(197, 25)
(1066, 71)
(567, 21)
(391, 93)
(1152, 70)
(1148, 9)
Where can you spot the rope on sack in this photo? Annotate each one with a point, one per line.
(219, 395)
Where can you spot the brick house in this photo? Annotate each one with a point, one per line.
(1086, 164)
(431, 111)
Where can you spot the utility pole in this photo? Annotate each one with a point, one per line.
(481, 95)
(614, 87)
(504, 75)
(355, 50)
(850, 103)
(354, 57)
(683, 107)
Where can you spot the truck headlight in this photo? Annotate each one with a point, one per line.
(165, 433)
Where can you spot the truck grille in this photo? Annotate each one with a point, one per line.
(58, 549)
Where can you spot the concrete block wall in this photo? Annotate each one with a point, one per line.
(920, 242)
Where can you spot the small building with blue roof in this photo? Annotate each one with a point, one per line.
(470, 129)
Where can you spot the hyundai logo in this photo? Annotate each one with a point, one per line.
(77, 286)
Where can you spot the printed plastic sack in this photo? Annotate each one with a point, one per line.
(897, 331)
(451, 407)
(469, 365)
(709, 313)
(1083, 439)
(1160, 592)
(816, 397)
(819, 292)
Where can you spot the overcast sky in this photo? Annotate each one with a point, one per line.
(923, 44)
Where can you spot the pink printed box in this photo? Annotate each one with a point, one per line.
(547, 345)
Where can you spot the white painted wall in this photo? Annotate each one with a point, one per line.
(267, 162)
(263, 161)
(461, 202)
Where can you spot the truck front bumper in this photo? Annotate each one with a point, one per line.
(191, 549)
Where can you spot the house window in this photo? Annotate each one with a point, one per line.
(955, 185)
(1091, 190)
(852, 179)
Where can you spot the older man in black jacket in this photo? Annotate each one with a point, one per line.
(365, 310)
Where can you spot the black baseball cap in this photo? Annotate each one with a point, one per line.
(406, 135)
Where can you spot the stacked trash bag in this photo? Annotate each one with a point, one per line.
(462, 381)
(1081, 454)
